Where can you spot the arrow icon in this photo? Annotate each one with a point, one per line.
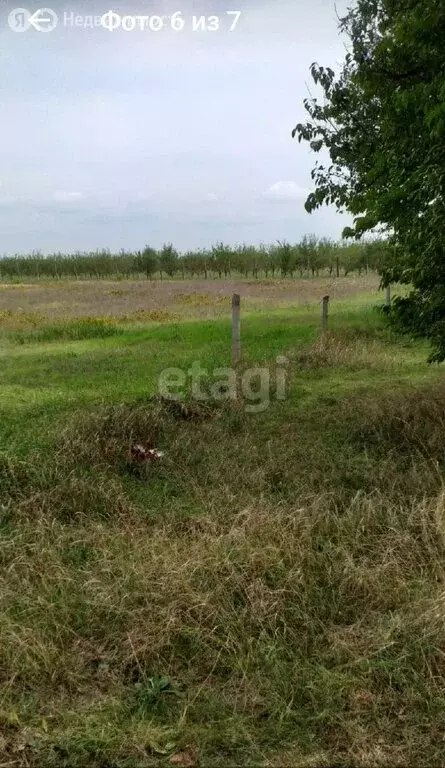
(43, 20)
(38, 19)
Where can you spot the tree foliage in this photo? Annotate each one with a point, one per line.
(308, 258)
(168, 259)
(146, 261)
(382, 124)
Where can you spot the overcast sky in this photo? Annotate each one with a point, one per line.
(119, 139)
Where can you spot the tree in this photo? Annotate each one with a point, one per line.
(308, 250)
(147, 261)
(168, 260)
(285, 258)
(220, 258)
(382, 123)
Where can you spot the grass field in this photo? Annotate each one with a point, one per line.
(269, 593)
(180, 298)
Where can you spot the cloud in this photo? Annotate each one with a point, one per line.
(285, 190)
(62, 196)
(161, 142)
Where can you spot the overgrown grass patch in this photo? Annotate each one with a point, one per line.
(269, 593)
(69, 330)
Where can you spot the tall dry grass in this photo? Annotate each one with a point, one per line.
(272, 593)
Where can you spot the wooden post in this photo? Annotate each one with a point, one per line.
(337, 264)
(324, 315)
(388, 298)
(236, 336)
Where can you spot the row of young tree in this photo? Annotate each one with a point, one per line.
(309, 258)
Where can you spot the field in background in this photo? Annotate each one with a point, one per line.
(206, 298)
(271, 591)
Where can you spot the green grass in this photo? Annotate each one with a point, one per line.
(270, 593)
(105, 362)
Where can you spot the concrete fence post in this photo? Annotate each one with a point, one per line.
(236, 330)
(324, 313)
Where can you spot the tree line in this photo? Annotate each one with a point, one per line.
(310, 257)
